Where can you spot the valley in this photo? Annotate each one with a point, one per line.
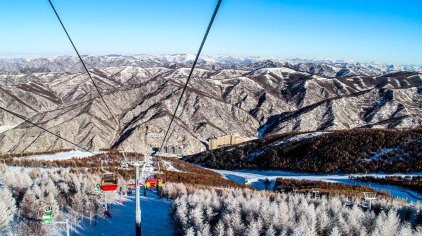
(250, 96)
(303, 135)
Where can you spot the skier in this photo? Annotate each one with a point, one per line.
(266, 183)
(159, 187)
(107, 214)
(147, 185)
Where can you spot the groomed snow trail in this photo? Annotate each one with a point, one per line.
(154, 217)
(61, 156)
(256, 179)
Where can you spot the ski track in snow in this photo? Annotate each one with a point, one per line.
(169, 166)
(377, 156)
(256, 179)
(61, 156)
(251, 156)
(155, 218)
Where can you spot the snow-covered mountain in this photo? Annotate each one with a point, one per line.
(323, 67)
(249, 96)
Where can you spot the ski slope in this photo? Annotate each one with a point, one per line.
(61, 155)
(256, 179)
(155, 218)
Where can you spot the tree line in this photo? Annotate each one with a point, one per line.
(225, 211)
(343, 151)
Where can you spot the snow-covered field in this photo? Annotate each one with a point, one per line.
(61, 155)
(154, 217)
(256, 179)
(6, 127)
(169, 166)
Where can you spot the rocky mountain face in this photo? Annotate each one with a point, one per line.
(249, 96)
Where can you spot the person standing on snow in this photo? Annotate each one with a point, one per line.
(266, 183)
(147, 185)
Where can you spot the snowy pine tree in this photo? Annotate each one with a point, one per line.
(270, 231)
(335, 232)
(219, 229)
(190, 232)
(7, 208)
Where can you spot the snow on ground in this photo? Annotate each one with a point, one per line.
(155, 218)
(297, 137)
(261, 130)
(170, 167)
(300, 137)
(377, 156)
(256, 179)
(6, 127)
(61, 155)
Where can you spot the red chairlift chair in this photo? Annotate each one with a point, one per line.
(109, 182)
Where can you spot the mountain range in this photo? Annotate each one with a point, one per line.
(254, 97)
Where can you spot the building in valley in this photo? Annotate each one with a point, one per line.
(169, 150)
(227, 140)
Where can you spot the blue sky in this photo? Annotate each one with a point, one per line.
(360, 30)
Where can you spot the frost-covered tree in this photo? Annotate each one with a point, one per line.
(197, 218)
(335, 232)
(253, 229)
(7, 208)
(30, 206)
(17, 179)
(71, 196)
(248, 212)
(219, 229)
(386, 224)
(190, 232)
(270, 231)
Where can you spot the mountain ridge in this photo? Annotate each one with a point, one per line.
(337, 68)
(250, 101)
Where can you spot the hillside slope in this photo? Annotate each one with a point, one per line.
(350, 151)
(226, 95)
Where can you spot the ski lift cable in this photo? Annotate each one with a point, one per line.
(83, 63)
(33, 141)
(46, 130)
(191, 71)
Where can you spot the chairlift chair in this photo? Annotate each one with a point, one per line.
(124, 165)
(315, 193)
(368, 197)
(364, 205)
(160, 175)
(48, 215)
(108, 179)
(109, 182)
(348, 203)
(349, 200)
(98, 188)
(153, 182)
(131, 183)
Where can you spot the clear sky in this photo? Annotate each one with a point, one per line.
(361, 30)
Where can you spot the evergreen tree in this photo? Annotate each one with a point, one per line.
(7, 208)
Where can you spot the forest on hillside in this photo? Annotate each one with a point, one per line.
(409, 182)
(25, 194)
(343, 151)
(224, 211)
